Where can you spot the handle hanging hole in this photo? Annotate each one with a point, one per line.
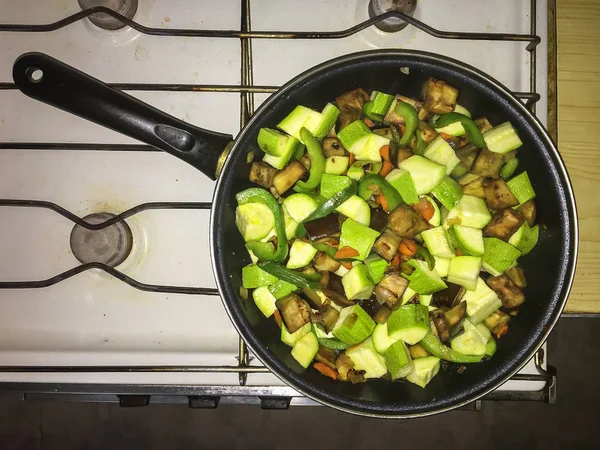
(34, 75)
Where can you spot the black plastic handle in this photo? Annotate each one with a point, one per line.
(51, 81)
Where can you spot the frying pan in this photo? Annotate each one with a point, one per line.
(550, 267)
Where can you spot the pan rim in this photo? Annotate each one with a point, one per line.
(246, 331)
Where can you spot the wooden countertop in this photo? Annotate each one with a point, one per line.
(578, 127)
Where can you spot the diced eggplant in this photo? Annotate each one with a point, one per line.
(439, 97)
(332, 147)
(379, 313)
(313, 298)
(467, 155)
(428, 133)
(455, 315)
(443, 330)
(402, 153)
(352, 100)
(418, 351)
(424, 114)
(503, 224)
(295, 312)
(498, 195)
(509, 292)
(487, 164)
(406, 222)
(322, 261)
(508, 156)
(474, 188)
(356, 376)
(385, 132)
(326, 356)
(305, 161)
(483, 124)
(387, 245)
(335, 291)
(448, 297)
(327, 316)
(346, 372)
(287, 177)
(390, 289)
(411, 101)
(325, 227)
(528, 211)
(379, 219)
(517, 275)
(262, 174)
(496, 321)
(347, 117)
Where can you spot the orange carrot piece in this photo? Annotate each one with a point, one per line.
(368, 122)
(402, 129)
(381, 200)
(445, 136)
(458, 252)
(384, 151)
(502, 331)
(277, 317)
(351, 159)
(324, 369)
(425, 208)
(346, 252)
(386, 168)
(408, 247)
(347, 265)
(396, 261)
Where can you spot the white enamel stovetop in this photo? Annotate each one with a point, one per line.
(95, 319)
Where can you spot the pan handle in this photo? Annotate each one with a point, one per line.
(51, 81)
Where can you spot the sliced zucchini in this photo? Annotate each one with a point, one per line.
(291, 338)
(264, 300)
(468, 240)
(336, 165)
(424, 370)
(376, 266)
(464, 271)
(437, 242)
(301, 254)
(481, 302)
(448, 192)
(357, 284)
(360, 168)
(502, 139)
(299, 206)
(352, 133)
(305, 349)
(366, 358)
(359, 237)
(426, 174)
(521, 187)
(498, 255)
(254, 221)
(441, 266)
(440, 152)
(409, 322)
(423, 280)
(402, 181)
(357, 209)
(469, 212)
(473, 341)
(332, 184)
(398, 360)
(354, 325)
(254, 277)
(525, 238)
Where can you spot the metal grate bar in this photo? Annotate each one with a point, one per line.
(37, 284)
(247, 34)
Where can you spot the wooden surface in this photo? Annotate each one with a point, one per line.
(578, 29)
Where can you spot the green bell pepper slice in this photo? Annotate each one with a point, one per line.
(331, 204)
(317, 162)
(436, 348)
(372, 183)
(423, 253)
(411, 120)
(419, 148)
(265, 250)
(291, 276)
(471, 129)
(368, 111)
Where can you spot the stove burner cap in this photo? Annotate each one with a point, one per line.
(110, 245)
(393, 24)
(126, 8)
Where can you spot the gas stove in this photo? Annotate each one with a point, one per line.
(106, 286)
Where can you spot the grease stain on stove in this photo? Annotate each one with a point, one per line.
(141, 53)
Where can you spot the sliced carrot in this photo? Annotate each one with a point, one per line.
(425, 208)
(396, 261)
(347, 265)
(324, 369)
(445, 136)
(351, 160)
(408, 247)
(386, 168)
(381, 200)
(384, 151)
(277, 317)
(403, 129)
(368, 122)
(458, 252)
(502, 331)
(346, 252)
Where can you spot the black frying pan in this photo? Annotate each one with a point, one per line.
(550, 267)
